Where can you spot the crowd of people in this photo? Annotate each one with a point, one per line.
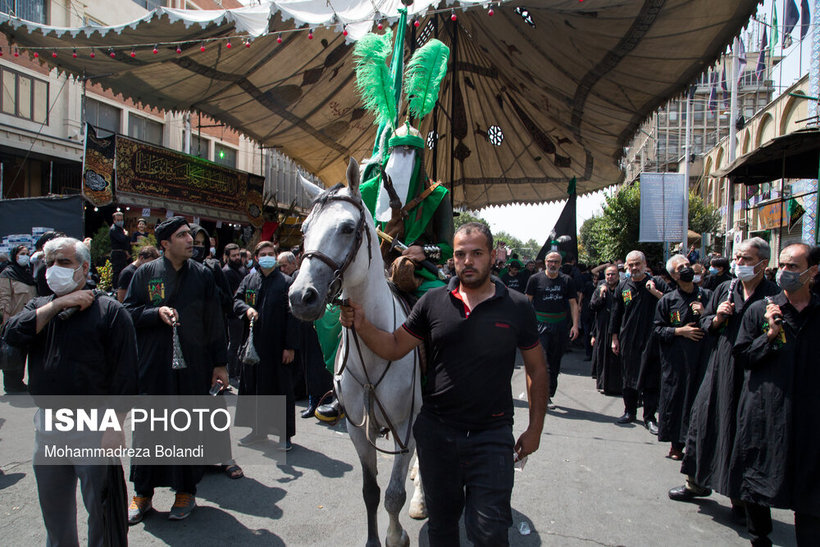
(718, 354)
(715, 350)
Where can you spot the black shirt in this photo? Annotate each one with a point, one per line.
(517, 282)
(550, 297)
(93, 352)
(125, 276)
(472, 354)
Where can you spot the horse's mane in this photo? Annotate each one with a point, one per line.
(322, 198)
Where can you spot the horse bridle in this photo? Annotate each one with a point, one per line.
(335, 286)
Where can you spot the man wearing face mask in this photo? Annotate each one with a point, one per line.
(174, 289)
(201, 254)
(262, 297)
(712, 422)
(91, 352)
(553, 294)
(718, 273)
(631, 326)
(682, 351)
(17, 287)
(777, 450)
(120, 248)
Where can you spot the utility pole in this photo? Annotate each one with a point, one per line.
(686, 151)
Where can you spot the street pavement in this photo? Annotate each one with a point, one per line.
(592, 482)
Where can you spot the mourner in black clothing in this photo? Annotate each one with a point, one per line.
(464, 430)
(683, 353)
(631, 326)
(201, 251)
(141, 233)
(776, 456)
(713, 420)
(607, 364)
(175, 289)
(718, 272)
(147, 254)
(515, 278)
(235, 271)
(93, 351)
(555, 299)
(318, 380)
(120, 248)
(262, 297)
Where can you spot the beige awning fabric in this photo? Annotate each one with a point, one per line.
(532, 98)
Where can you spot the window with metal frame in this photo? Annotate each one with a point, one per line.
(24, 96)
(144, 129)
(29, 10)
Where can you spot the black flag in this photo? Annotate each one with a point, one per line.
(564, 236)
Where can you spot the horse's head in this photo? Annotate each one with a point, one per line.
(338, 248)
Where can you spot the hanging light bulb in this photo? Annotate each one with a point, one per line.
(228, 45)
(247, 43)
(111, 53)
(310, 34)
(179, 50)
(1, 51)
(92, 54)
(490, 11)
(53, 54)
(202, 47)
(453, 15)
(16, 52)
(133, 53)
(36, 54)
(344, 31)
(417, 23)
(279, 38)
(380, 26)
(74, 53)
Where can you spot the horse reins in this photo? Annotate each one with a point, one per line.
(334, 289)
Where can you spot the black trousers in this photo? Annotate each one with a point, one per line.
(470, 471)
(759, 524)
(650, 402)
(554, 339)
(236, 331)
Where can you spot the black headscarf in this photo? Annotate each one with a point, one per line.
(200, 252)
(16, 272)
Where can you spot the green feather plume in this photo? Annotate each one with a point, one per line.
(423, 76)
(373, 76)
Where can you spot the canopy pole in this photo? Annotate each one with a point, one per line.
(688, 136)
(435, 110)
(730, 194)
(454, 72)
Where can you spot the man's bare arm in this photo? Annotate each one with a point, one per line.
(387, 345)
(535, 366)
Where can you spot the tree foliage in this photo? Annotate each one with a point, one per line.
(526, 249)
(614, 233)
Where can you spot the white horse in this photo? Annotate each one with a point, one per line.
(342, 258)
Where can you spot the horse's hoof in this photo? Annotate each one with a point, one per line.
(418, 510)
(373, 543)
(404, 541)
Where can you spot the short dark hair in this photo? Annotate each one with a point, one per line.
(469, 227)
(720, 262)
(148, 252)
(263, 245)
(811, 252)
(230, 247)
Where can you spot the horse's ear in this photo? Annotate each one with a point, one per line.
(353, 177)
(312, 190)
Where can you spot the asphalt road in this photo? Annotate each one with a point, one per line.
(592, 482)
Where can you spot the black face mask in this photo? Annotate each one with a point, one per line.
(199, 253)
(687, 274)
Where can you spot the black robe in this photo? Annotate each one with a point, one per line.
(776, 456)
(275, 330)
(712, 422)
(606, 364)
(191, 291)
(683, 361)
(632, 315)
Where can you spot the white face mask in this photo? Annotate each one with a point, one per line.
(61, 279)
(696, 279)
(23, 260)
(746, 273)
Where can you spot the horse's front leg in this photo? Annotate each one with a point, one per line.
(396, 494)
(370, 486)
(418, 509)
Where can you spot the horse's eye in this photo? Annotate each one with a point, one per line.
(347, 228)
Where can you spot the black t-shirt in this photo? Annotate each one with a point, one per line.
(550, 297)
(125, 276)
(471, 354)
(516, 283)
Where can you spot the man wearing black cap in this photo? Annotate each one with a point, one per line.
(175, 289)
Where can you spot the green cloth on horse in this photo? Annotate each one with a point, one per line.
(329, 331)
